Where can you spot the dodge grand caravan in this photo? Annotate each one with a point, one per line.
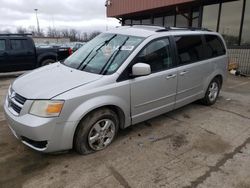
(120, 78)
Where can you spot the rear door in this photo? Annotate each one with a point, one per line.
(21, 54)
(193, 68)
(154, 94)
(3, 55)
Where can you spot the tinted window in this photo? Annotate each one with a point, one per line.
(195, 21)
(230, 21)
(18, 44)
(245, 40)
(136, 22)
(214, 46)
(181, 20)
(127, 22)
(158, 21)
(210, 17)
(157, 54)
(146, 21)
(2, 45)
(169, 21)
(189, 48)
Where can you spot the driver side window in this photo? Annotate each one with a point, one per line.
(157, 54)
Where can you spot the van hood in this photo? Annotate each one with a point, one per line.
(50, 81)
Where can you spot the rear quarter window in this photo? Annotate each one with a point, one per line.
(2, 45)
(214, 46)
(18, 44)
(189, 48)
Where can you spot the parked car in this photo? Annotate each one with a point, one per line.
(77, 46)
(48, 45)
(120, 78)
(74, 45)
(18, 53)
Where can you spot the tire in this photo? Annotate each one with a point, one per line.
(91, 134)
(212, 92)
(47, 62)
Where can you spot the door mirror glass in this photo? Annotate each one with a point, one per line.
(141, 69)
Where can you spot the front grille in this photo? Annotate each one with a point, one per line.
(20, 99)
(16, 101)
(15, 107)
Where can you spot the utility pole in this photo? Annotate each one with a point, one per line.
(38, 28)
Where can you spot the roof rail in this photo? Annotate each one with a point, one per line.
(16, 34)
(183, 29)
(149, 27)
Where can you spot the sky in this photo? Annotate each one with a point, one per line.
(83, 15)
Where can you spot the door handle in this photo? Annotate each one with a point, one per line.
(171, 76)
(183, 73)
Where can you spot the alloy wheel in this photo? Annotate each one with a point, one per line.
(101, 134)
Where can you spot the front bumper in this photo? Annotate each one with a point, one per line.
(41, 134)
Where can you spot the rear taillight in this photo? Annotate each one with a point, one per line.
(70, 51)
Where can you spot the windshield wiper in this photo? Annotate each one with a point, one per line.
(112, 57)
(101, 45)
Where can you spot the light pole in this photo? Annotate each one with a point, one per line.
(38, 28)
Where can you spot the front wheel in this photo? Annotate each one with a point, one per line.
(212, 92)
(96, 131)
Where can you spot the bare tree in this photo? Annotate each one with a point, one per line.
(73, 34)
(52, 32)
(65, 33)
(33, 31)
(21, 30)
(41, 34)
(84, 37)
(93, 35)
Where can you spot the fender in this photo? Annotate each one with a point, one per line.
(98, 102)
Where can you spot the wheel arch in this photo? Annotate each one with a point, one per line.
(119, 112)
(216, 74)
(220, 78)
(116, 109)
(45, 57)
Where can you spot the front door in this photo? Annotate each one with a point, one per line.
(154, 94)
(3, 55)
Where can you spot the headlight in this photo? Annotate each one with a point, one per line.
(44, 108)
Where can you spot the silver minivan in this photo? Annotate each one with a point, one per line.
(120, 78)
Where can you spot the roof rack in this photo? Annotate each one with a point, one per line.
(182, 29)
(17, 34)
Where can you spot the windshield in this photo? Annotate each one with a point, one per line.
(104, 54)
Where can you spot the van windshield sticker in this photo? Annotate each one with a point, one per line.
(127, 48)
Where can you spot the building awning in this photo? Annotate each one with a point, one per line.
(128, 8)
(117, 8)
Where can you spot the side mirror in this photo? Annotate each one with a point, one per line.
(141, 69)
